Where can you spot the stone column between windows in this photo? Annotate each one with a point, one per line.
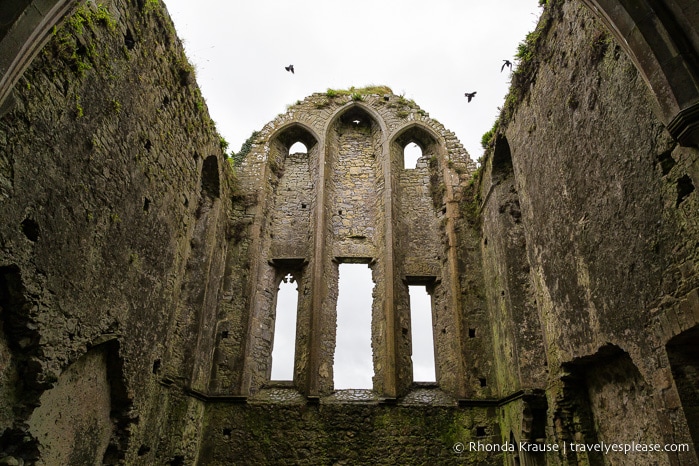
(390, 389)
(313, 389)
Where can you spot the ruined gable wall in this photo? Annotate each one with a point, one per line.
(608, 214)
(352, 144)
(359, 199)
(110, 207)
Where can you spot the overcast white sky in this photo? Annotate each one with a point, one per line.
(430, 51)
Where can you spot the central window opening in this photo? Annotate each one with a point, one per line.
(423, 340)
(284, 346)
(298, 148)
(411, 153)
(354, 367)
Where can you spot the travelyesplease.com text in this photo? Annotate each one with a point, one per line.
(602, 447)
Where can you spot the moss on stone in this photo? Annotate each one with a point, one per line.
(361, 91)
(238, 157)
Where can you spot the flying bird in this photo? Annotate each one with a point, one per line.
(290, 68)
(470, 95)
(507, 63)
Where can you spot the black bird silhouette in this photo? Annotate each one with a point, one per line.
(470, 95)
(507, 63)
(290, 68)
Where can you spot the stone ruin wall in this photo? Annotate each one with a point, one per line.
(590, 250)
(303, 213)
(112, 183)
(347, 212)
(564, 275)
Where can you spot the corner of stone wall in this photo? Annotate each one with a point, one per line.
(594, 201)
(114, 191)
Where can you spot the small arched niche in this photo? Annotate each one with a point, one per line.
(210, 178)
(294, 139)
(502, 159)
(414, 148)
(683, 353)
(356, 120)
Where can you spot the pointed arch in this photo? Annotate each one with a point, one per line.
(294, 202)
(354, 136)
(421, 132)
(25, 26)
(662, 39)
(295, 132)
(430, 143)
(355, 108)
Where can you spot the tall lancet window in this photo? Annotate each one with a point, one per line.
(354, 367)
(283, 349)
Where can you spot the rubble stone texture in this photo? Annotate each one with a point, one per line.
(139, 265)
